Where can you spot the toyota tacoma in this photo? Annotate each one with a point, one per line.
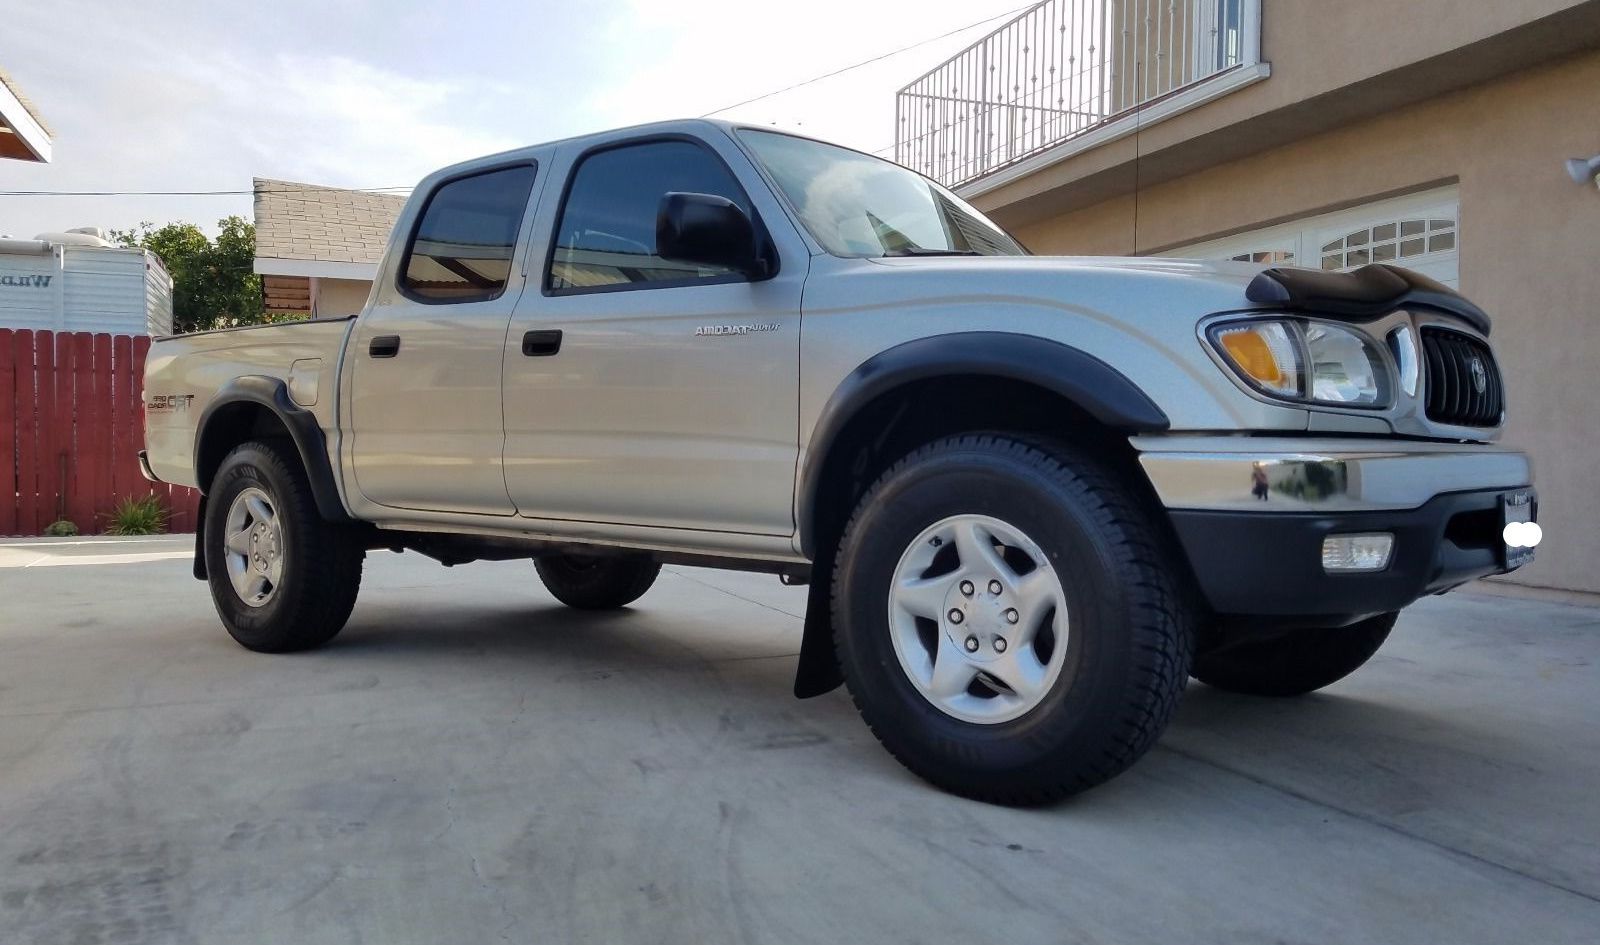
(1031, 496)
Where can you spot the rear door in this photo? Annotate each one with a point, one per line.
(426, 426)
(646, 391)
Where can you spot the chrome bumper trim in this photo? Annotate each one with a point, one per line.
(144, 466)
(1298, 474)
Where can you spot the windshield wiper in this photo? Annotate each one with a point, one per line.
(926, 251)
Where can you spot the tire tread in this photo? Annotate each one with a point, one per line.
(328, 579)
(1160, 613)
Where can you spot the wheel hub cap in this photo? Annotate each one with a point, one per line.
(978, 619)
(253, 547)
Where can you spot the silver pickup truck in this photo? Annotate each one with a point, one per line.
(1031, 496)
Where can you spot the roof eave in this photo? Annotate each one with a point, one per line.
(315, 268)
(22, 123)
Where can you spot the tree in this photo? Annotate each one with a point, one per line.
(213, 285)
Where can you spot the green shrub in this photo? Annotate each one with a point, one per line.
(146, 516)
(61, 528)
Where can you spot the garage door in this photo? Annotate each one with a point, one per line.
(1419, 232)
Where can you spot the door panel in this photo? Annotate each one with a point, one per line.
(673, 394)
(426, 360)
(639, 420)
(426, 421)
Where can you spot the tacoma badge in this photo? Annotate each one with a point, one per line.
(734, 329)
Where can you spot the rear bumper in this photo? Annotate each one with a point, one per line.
(144, 466)
(1251, 519)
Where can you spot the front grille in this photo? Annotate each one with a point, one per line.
(1452, 382)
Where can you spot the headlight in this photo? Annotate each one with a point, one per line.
(1295, 359)
(1345, 367)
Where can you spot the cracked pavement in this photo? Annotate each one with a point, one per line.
(471, 762)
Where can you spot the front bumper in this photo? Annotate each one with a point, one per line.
(1251, 514)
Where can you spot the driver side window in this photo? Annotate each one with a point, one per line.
(606, 235)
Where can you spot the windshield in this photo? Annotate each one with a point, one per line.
(856, 205)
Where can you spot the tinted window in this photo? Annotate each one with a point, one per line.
(607, 233)
(461, 250)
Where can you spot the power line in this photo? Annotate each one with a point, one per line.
(380, 190)
(868, 62)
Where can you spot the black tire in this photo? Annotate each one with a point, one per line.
(322, 561)
(1128, 649)
(597, 583)
(1298, 662)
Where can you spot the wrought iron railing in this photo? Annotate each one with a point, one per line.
(1059, 70)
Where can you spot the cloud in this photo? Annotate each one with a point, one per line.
(340, 121)
(198, 95)
(726, 51)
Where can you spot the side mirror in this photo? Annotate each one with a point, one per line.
(710, 230)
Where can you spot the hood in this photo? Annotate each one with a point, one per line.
(1203, 284)
(1216, 271)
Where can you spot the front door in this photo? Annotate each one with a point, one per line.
(425, 388)
(645, 391)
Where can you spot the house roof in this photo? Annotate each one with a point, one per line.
(301, 227)
(23, 133)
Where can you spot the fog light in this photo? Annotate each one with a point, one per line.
(1357, 552)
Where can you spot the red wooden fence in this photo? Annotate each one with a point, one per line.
(71, 426)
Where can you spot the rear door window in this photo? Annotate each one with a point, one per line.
(462, 246)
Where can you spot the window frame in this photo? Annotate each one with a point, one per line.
(764, 242)
(422, 214)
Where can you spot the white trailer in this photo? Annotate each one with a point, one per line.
(76, 281)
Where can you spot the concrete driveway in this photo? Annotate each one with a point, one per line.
(470, 762)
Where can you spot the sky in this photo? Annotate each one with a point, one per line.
(167, 95)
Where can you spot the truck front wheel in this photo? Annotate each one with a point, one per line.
(1295, 663)
(596, 583)
(282, 577)
(1007, 619)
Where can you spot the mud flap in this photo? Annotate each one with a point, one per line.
(200, 540)
(818, 672)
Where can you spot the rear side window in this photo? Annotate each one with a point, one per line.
(461, 248)
(607, 232)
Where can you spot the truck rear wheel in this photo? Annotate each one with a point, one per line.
(282, 577)
(596, 583)
(1007, 621)
(1298, 662)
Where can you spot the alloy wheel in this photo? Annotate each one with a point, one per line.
(253, 547)
(978, 619)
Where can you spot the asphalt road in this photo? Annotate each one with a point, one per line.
(469, 762)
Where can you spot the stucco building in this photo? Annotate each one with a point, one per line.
(1433, 134)
(317, 248)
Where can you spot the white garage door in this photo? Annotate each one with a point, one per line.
(1419, 232)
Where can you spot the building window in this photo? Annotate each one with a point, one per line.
(461, 248)
(607, 233)
(1390, 242)
(1273, 257)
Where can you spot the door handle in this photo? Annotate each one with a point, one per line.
(384, 346)
(541, 344)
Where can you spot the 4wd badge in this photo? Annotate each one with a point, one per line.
(169, 402)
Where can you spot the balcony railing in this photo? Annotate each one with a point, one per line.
(1060, 70)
